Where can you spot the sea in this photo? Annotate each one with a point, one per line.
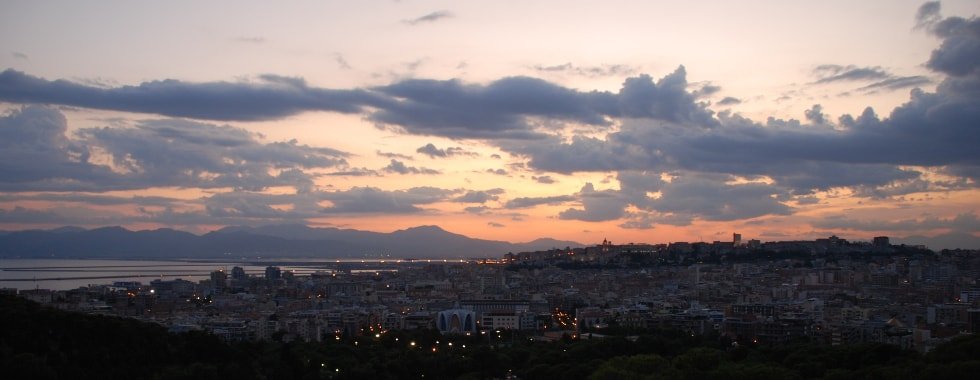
(65, 274)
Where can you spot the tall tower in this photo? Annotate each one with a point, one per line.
(273, 273)
(737, 239)
(219, 280)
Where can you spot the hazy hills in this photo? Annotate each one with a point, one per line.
(292, 240)
(951, 240)
(266, 241)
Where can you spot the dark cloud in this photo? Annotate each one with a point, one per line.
(478, 210)
(99, 82)
(38, 155)
(932, 129)
(476, 196)
(679, 201)
(638, 224)
(545, 179)
(666, 100)
(372, 200)
(597, 206)
(19, 55)
(959, 53)
(898, 189)
(715, 198)
(815, 115)
(927, 15)
(261, 206)
(705, 89)
(429, 18)
(431, 151)
(497, 171)
(497, 110)
(525, 202)
(966, 222)
(729, 101)
(807, 200)
(274, 97)
(581, 154)
(636, 187)
(400, 168)
(495, 225)
(166, 152)
(503, 109)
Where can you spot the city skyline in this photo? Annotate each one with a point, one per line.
(629, 121)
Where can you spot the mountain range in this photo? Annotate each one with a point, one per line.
(289, 240)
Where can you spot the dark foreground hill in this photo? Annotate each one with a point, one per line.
(268, 241)
(42, 343)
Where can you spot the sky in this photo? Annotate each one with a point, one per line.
(633, 121)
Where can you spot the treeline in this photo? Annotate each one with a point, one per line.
(43, 343)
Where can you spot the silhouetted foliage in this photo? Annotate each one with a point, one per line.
(43, 343)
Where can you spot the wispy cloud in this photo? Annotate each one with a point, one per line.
(429, 18)
(897, 83)
(588, 71)
(881, 79)
(341, 62)
(393, 155)
(838, 73)
(250, 39)
(525, 202)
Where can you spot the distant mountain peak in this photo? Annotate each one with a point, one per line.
(110, 229)
(67, 229)
(426, 228)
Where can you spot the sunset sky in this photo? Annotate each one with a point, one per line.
(635, 121)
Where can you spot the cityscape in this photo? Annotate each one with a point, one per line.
(829, 290)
